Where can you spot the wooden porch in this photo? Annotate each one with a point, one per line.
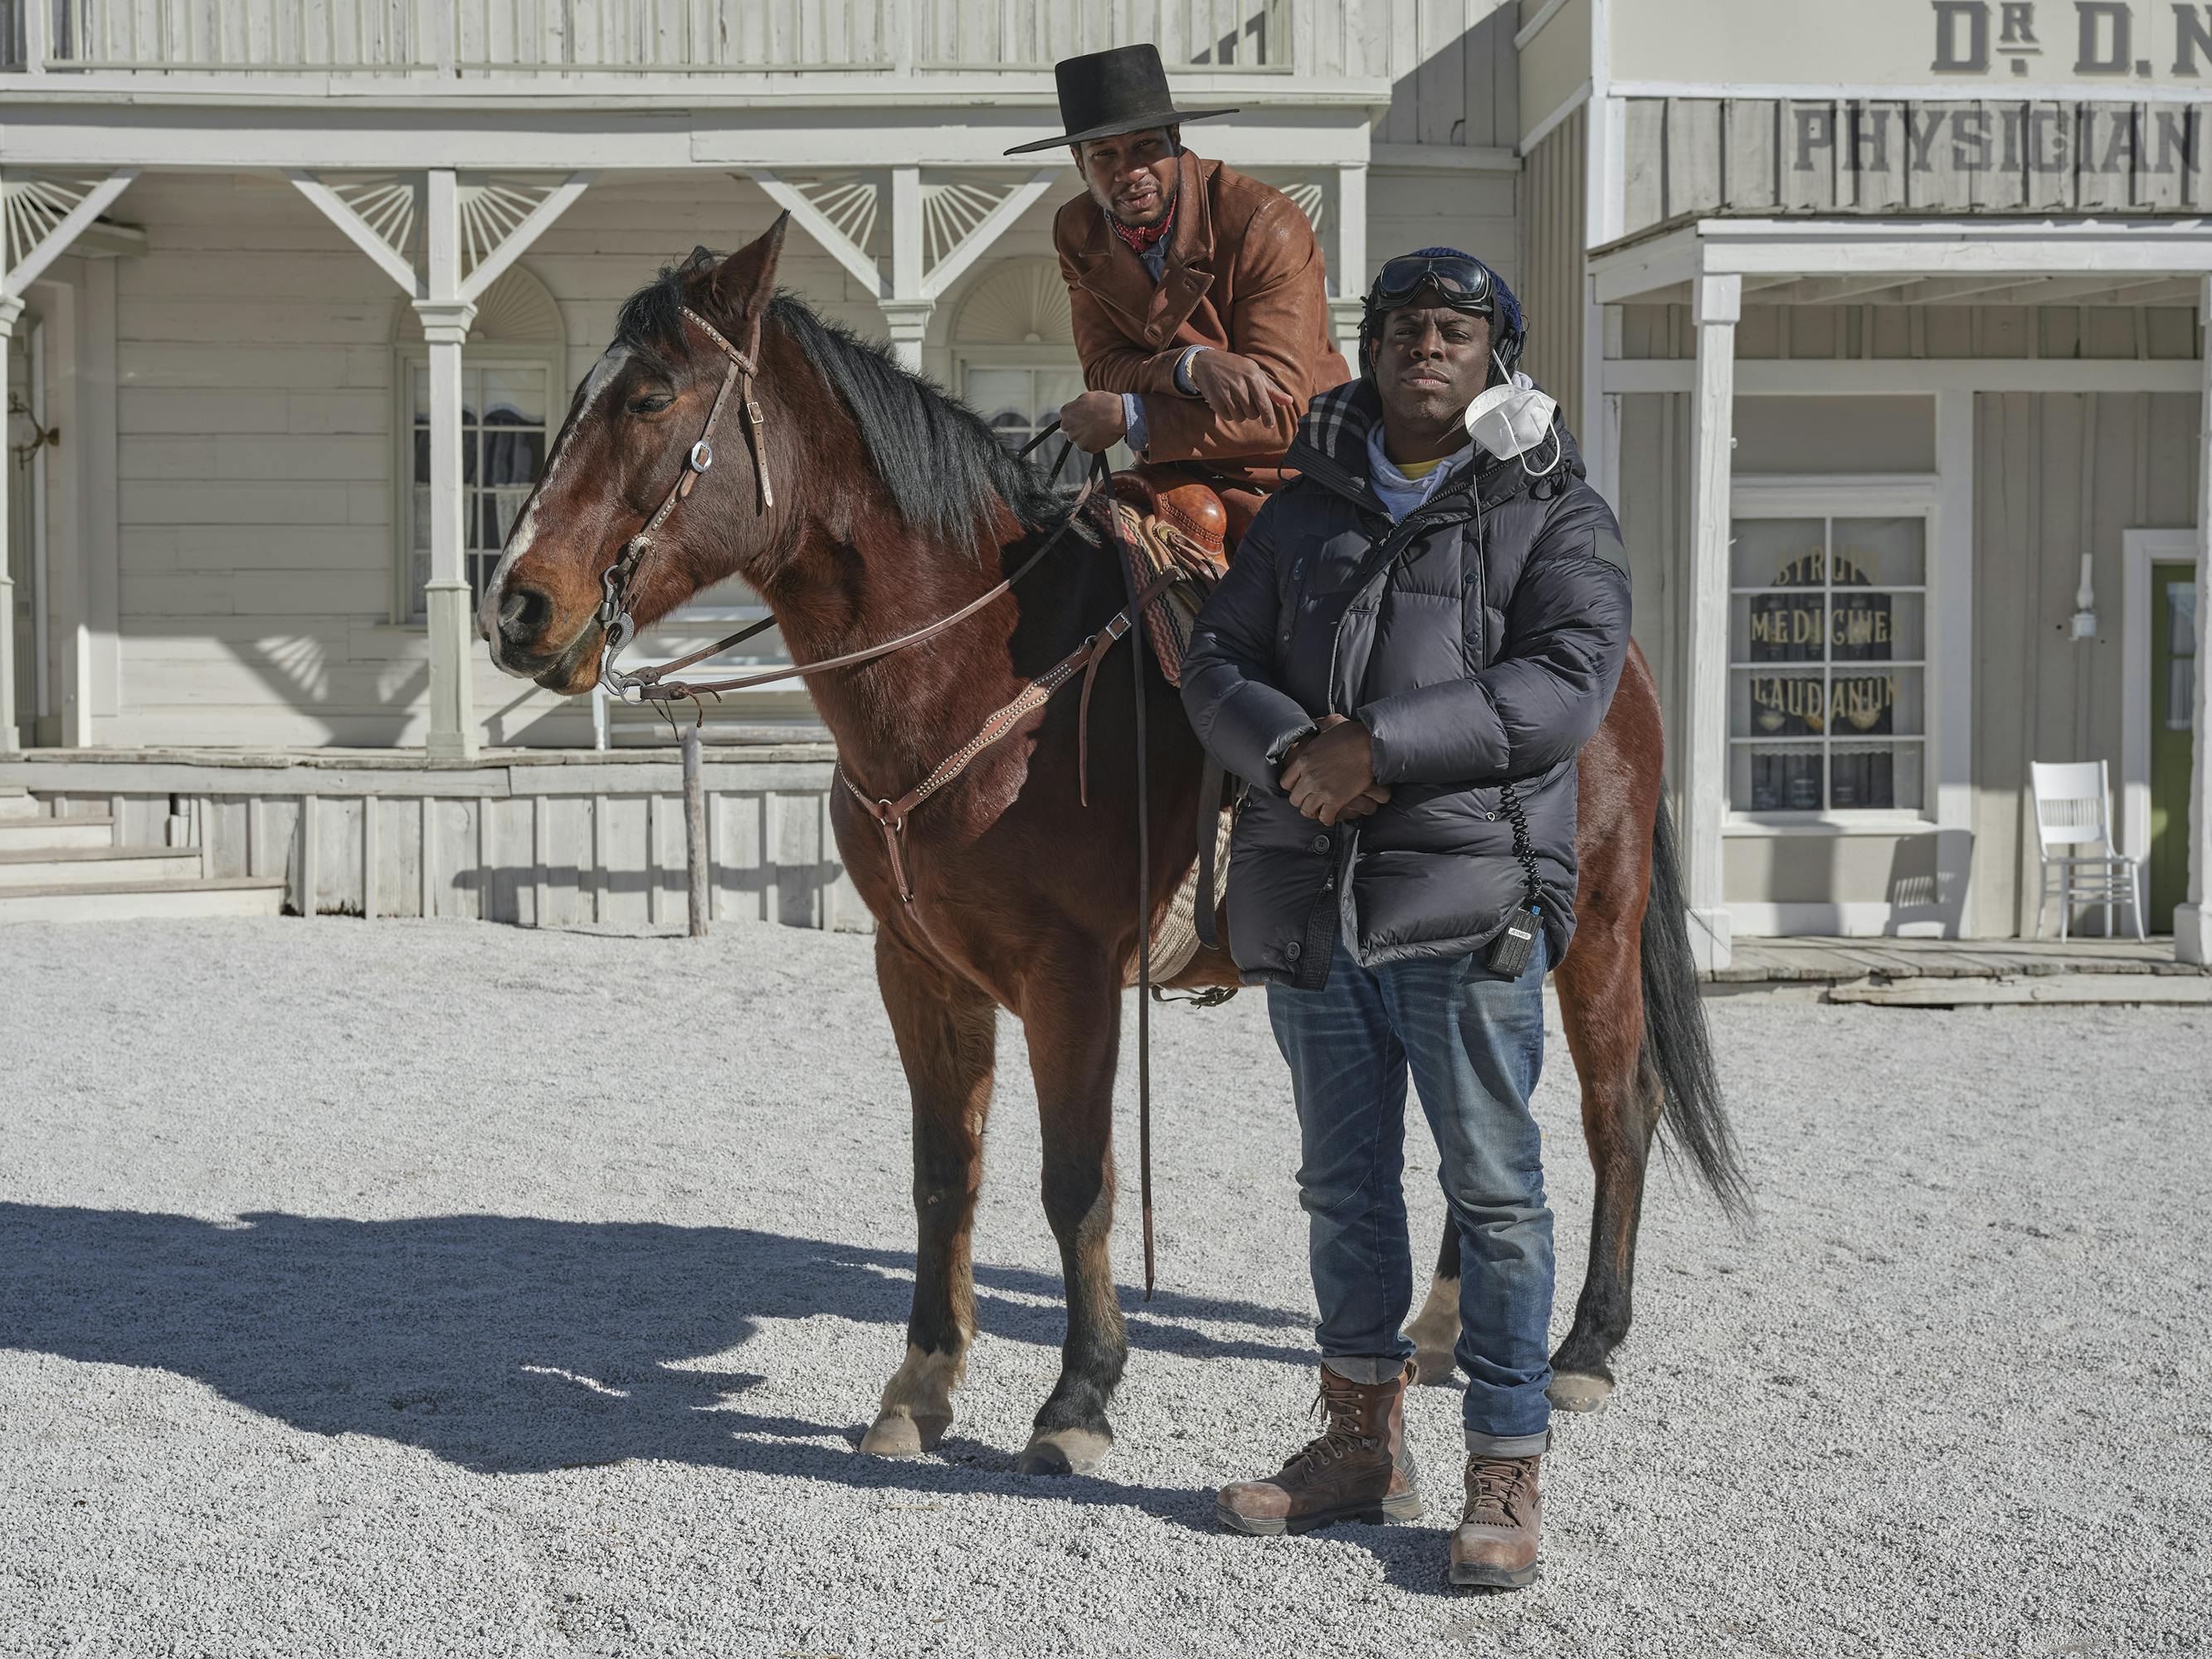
(1944, 973)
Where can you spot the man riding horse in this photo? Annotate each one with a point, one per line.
(1198, 295)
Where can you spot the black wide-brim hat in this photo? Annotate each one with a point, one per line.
(1122, 90)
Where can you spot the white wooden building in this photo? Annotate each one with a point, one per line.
(297, 285)
(1892, 359)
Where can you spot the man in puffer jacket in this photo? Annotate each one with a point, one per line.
(1415, 639)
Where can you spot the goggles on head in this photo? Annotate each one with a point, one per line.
(1460, 283)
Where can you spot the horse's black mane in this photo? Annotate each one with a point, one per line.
(941, 464)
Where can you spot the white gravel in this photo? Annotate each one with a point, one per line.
(396, 1289)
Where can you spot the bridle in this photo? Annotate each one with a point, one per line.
(617, 626)
(649, 685)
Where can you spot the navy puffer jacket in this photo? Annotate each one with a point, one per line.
(1479, 640)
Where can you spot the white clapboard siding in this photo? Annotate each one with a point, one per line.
(492, 39)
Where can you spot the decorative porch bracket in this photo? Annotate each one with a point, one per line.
(41, 215)
(2192, 918)
(474, 230)
(939, 230)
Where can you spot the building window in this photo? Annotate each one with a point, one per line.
(1014, 357)
(1019, 403)
(503, 443)
(503, 438)
(1828, 691)
(511, 376)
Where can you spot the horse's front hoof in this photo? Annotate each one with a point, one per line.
(1065, 1451)
(1437, 1365)
(901, 1433)
(1578, 1391)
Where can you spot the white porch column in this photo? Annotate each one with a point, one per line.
(907, 307)
(2192, 919)
(446, 318)
(10, 308)
(1716, 304)
(1349, 267)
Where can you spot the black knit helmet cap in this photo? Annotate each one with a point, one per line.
(1489, 297)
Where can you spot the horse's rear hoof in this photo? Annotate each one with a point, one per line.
(1578, 1391)
(1437, 1365)
(901, 1433)
(1065, 1451)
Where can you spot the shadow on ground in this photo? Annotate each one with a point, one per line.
(513, 1345)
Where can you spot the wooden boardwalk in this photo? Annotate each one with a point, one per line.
(1836, 961)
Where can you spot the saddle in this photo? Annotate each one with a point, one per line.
(1173, 526)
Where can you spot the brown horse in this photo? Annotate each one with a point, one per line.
(893, 506)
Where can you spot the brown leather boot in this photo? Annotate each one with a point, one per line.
(1361, 1469)
(1496, 1543)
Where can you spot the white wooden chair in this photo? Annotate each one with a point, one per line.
(2074, 829)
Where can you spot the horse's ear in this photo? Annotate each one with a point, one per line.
(744, 281)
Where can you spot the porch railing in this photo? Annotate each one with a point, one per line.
(476, 39)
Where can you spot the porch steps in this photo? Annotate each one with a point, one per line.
(141, 900)
(70, 869)
(27, 833)
(84, 866)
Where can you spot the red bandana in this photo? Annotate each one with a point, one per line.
(1143, 238)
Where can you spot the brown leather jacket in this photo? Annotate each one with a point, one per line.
(1244, 274)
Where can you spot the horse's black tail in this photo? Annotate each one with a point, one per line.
(1678, 1047)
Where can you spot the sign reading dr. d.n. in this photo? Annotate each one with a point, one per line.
(1997, 46)
(2094, 39)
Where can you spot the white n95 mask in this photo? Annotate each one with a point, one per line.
(1513, 418)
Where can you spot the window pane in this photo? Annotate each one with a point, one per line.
(1054, 387)
(1875, 777)
(501, 508)
(1779, 627)
(513, 456)
(514, 397)
(1876, 705)
(422, 450)
(422, 394)
(1780, 705)
(1881, 552)
(1775, 777)
(1001, 396)
(420, 537)
(1865, 627)
(1777, 553)
(2181, 653)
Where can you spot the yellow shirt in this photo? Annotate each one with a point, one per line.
(1418, 468)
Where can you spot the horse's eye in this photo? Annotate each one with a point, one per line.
(652, 404)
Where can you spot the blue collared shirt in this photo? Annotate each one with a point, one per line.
(1155, 261)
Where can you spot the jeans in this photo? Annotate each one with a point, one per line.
(1474, 1047)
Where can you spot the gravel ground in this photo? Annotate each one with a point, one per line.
(396, 1289)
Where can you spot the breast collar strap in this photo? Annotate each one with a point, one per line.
(614, 605)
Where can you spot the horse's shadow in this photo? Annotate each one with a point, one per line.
(518, 1345)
